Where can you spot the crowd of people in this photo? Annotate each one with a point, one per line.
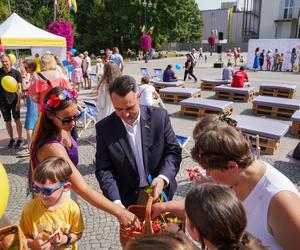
(241, 206)
(275, 61)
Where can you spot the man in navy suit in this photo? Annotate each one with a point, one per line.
(133, 143)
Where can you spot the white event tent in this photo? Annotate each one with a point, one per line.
(17, 33)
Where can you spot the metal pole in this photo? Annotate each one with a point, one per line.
(54, 7)
(9, 8)
(146, 16)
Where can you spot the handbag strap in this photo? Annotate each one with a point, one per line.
(44, 78)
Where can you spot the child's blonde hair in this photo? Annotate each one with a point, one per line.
(54, 169)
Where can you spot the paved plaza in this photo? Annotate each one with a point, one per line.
(102, 230)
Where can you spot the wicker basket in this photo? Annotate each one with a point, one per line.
(144, 214)
(19, 239)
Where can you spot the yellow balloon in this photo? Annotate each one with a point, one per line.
(12, 58)
(4, 187)
(9, 84)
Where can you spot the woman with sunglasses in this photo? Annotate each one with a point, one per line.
(52, 139)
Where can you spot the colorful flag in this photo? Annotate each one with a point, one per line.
(72, 5)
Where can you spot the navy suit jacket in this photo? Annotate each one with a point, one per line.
(116, 169)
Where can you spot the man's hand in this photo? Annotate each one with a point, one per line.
(158, 186)
(128, 219)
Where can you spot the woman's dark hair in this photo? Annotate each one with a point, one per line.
(257, 49)
(219, 217)
(294, 50)
(46, 128)
(164, 241)
(122, 85)
(30, 64)
(77, 53)
(216, 147)
(169, 67)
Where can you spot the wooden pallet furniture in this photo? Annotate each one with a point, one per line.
(275, 106)
(177, 94)
(245, 94)
(296, 123)
(200, 107)
(269, 131)
(277, 90)
(210, 84)
(160, 84)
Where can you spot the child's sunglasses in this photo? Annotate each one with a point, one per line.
(67, 121)
(46, 191)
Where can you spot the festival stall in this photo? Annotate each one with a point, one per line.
(284, 46)
(17, 33)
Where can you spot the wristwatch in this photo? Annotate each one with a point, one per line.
(69, 239)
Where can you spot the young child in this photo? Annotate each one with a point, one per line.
(99, 69)
(216, 218)
(281, 61)
(52, 220)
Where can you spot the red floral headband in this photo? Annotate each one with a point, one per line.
(56, 100)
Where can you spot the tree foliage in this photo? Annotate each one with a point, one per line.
(99, 24)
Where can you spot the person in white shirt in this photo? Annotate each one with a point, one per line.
(86, 68)
(148, 95)
(271, 200)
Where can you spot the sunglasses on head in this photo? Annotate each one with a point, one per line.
(46, 191)
(67, 121)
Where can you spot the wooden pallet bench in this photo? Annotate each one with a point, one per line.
(200, 107)
(277, 90)
(275, 106)
(270, 132)
(296, 123)
(177, 94)
(210, 84)
(245, 94)
(160, 84)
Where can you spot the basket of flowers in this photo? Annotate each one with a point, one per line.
(12, 238)
(149, 226)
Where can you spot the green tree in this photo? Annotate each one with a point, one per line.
(108, 23)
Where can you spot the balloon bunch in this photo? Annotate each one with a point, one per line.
(68, 62)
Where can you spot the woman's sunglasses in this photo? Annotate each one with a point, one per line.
(46, 191)
(67, 121)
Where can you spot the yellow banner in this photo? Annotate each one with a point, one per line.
(38, 42)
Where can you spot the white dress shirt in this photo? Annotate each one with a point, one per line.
(135, 141)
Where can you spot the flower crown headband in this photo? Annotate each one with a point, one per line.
(56, 100)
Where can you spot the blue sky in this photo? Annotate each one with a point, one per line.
(211, 4)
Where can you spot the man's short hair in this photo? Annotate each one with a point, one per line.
(242, 68)
(122, 85)
(229, 64)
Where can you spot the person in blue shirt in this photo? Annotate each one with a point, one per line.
(169, 75)
(117, 58)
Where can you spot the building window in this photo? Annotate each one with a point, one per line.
(288, 9)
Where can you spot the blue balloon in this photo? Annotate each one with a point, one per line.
(73, 51)
(178, 67)
(65, 63)
(70, 68)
